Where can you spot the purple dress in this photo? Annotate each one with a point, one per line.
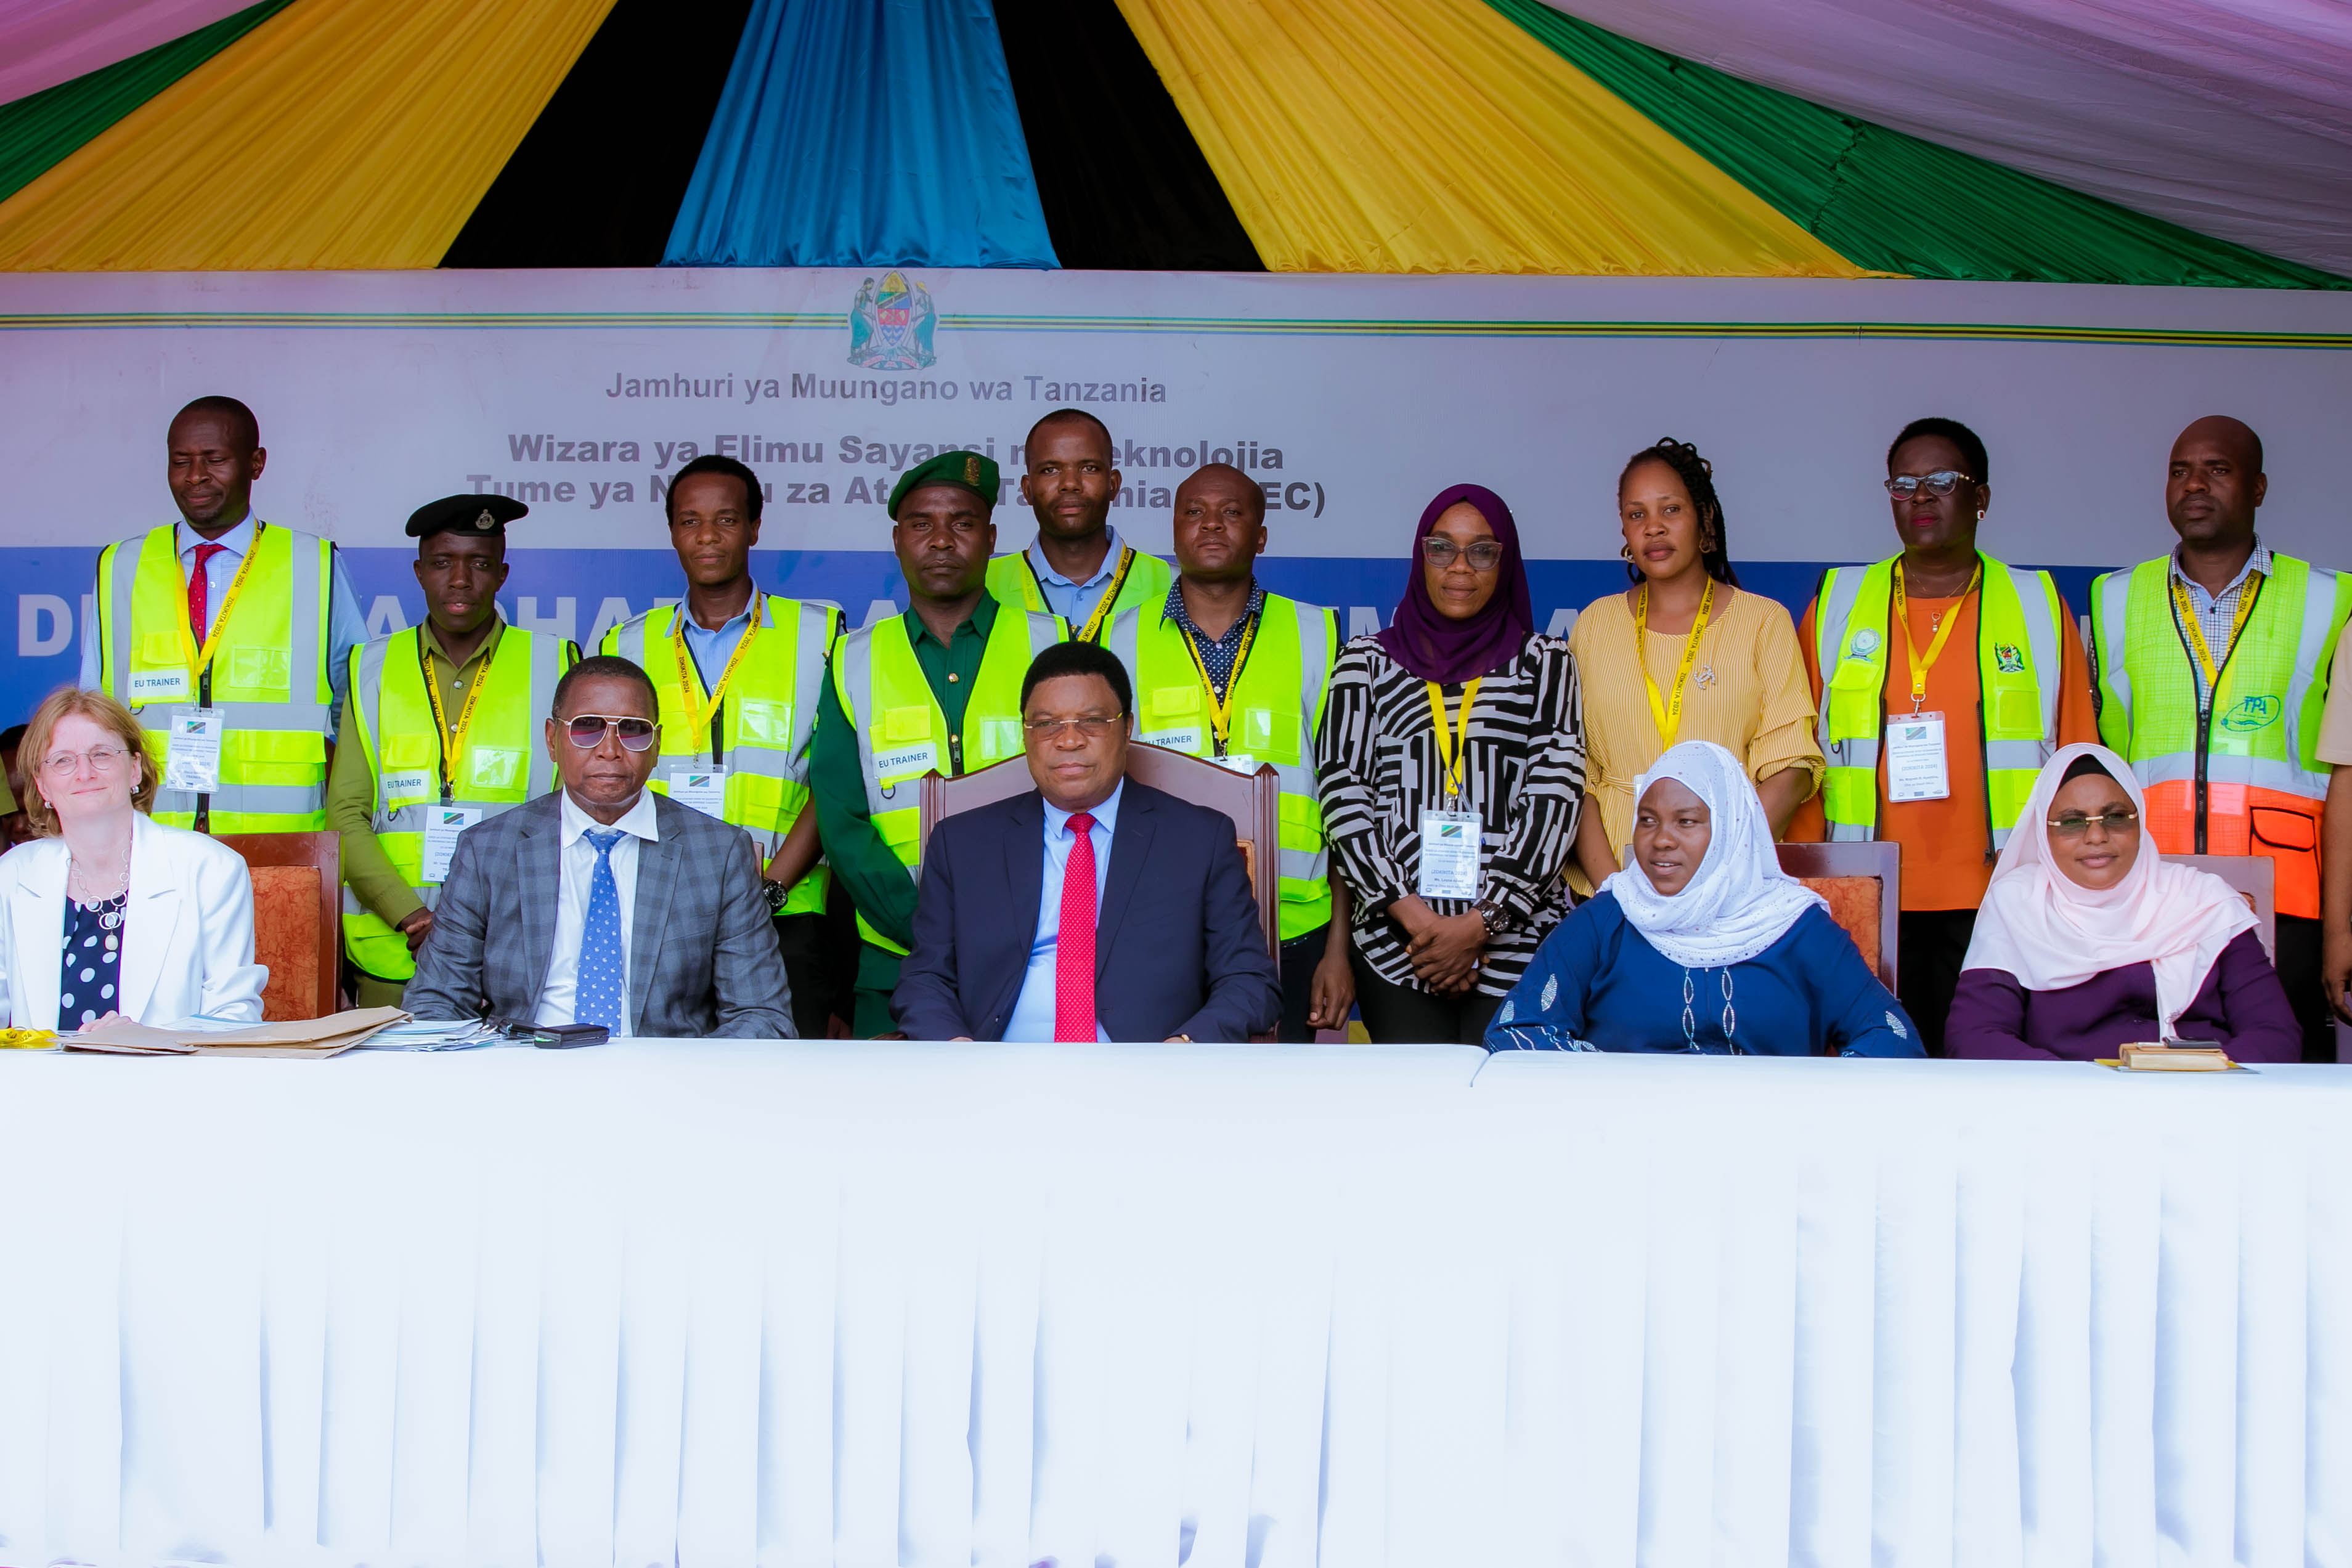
(2241, 1004)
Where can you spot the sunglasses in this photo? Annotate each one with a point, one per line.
(2075, 824)
(588, 730)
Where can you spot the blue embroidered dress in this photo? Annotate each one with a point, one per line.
(1596, 984)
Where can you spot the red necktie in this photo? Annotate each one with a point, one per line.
(1074, 954)
(200, 589)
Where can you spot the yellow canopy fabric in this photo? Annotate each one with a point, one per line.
(1437, 136)
(339, 133)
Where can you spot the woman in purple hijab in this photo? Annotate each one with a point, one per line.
(1452, 763)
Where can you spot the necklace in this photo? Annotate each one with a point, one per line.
(90, 897)
(1690, 1020)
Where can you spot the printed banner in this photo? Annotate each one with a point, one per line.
(1350, 400)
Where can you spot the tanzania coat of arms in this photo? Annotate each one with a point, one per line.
(890, 328)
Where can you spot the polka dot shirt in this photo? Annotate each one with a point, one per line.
(93, 950)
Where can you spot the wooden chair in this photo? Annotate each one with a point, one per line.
(1253, 802)
(1864, 884)
(297, 919)
(2255, 879)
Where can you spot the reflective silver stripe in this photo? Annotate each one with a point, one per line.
(1850, 832)
(2034, 593)
(808, 679)
(1314, 665)
(2000, 839)
(308, 633)
(1840, 587)
(1120, 640)
(309, 717)
(1044, 631)
(2111, 636)
(2318, 612)
(631, 642)
(367, 687)
(1300, 866)
(119, 597)
(765, 762)
(546, 669)
(2264, 773)
(2026, 756)
(857, 684)
(256, 800)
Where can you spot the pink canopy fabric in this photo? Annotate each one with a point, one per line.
(45, 42)
(2233, 118)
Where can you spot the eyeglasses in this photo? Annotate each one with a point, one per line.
(1439, 553)
(588, 730)
(102, 760)
(1942, 482)
(1092, 727)
(2075, 824)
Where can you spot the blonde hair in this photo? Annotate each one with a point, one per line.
(107, 715)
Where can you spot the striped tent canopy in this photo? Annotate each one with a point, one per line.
(1816, 138)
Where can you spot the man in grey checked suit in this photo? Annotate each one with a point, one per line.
(604, 902)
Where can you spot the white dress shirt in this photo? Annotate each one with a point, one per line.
(577, 861)
(1033, 1009)
(346, 627)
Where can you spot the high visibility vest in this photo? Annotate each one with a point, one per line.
(1277, 699)
(1138, 581)
(269, 675)
(763, 735)
(2020, 665)
(902, 732)
(504, 763)
(2238, 778)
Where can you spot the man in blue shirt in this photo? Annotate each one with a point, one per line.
(1145, 926)
(1078, 568)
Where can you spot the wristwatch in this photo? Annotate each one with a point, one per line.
(776, 892)
(1488, 916)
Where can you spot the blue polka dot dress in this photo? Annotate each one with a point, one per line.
(92, 966)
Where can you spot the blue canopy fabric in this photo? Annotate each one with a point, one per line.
(865, 135)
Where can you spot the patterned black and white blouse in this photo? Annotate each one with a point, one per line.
(91, 965)
(1380, 765)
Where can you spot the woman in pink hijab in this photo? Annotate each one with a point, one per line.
(2090, 940)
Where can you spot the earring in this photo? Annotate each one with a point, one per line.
(1981, 514)
(1626, 553)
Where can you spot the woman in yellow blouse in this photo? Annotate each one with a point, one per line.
(1683, 654)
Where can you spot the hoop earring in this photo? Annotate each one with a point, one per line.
(1625, 554)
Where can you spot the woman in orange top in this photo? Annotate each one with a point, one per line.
(1683, 654)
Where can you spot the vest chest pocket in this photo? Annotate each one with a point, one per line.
(2016, 711)
(1853, 700)
(252, 669)
(769, 725)
(1267, 736)
(159, 648)
(999, 738)
(493, 767)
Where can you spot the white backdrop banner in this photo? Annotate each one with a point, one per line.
(1351, 399)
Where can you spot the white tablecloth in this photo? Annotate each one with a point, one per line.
(735, 1304)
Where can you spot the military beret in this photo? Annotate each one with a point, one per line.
(481, 516)
(965, 470)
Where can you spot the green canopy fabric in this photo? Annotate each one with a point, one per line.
(1892, 203)
(37, 132)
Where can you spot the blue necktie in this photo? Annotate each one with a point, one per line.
(597, 995)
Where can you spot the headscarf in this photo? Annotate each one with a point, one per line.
(1437, 648)
(1739, 902)
(2050, 932)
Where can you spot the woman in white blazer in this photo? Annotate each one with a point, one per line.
(109, 913)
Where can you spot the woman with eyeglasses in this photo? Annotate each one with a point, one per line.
(1452, 766)
(1944, 679)
(2090, 940)
(109, 913)
(1683, 654)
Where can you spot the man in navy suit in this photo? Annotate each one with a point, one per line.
(1092, 908)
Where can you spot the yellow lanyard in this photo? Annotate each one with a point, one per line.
(1920, 666)
(1221, 710)
(453, 742)
(690, 683)
(1452, 746)
(2192, 631)
(1668, 711)
(201, 660)
(1101, 617)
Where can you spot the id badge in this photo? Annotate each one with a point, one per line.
(1241, 762)
(704, 788)
(191, 751)
(1175, 739)
(442, 824)
(1449, 853)
(1915, 767)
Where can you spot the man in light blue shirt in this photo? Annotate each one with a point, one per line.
(1078, 567)
(214, 455)
(1032, 1011)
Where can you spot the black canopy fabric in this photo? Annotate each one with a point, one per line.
(1123, 185)
(598, 179)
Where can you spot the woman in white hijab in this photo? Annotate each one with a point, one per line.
(1703, 943)
(2090, 939)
